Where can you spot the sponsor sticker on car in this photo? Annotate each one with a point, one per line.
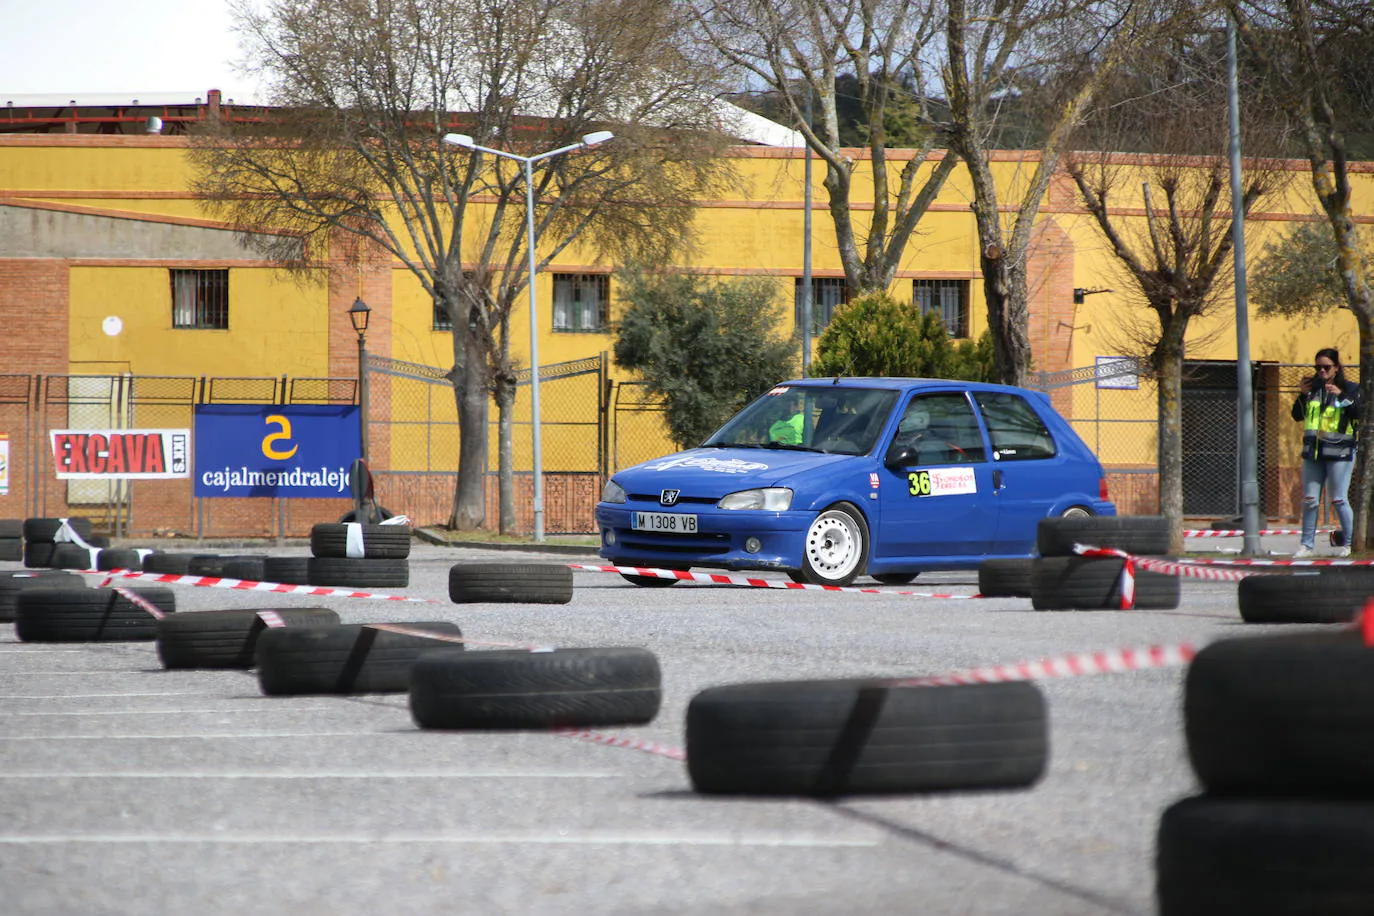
(941, 482)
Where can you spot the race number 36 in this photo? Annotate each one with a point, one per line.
(918, 483)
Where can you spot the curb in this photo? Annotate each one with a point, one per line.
(437, 540)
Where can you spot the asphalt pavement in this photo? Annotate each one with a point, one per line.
(126, 788)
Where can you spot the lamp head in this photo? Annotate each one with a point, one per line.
(462, 140)
(359, 314)
(600, 136)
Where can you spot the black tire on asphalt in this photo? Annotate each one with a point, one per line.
(1265, 857)
(565, 688)
(347, 658)
(225, 639)
(88, 614)
(1283, 715)
(11, 548)
(214, 564)
(246, 567)
(379, 542)
(510, 583)
(118, 558)
(351, 573)
(11, 584)
(843, 737)
(11, 528)
(1008, 577)
(286, 570)
(168, 563)
(45, 529)
(1305, 596)
(38, 554)
(70, 556)
(1094, 583)
(1141, 535)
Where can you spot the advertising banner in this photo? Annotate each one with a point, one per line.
(121, 454)
(4, 464)
(280, 450)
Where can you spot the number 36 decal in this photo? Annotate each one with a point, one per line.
(941, 482)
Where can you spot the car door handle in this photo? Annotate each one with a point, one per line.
(997, 480)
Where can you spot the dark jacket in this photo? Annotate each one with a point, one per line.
(1328, 422)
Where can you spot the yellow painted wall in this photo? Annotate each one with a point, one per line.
(278, 327)
(275, 326)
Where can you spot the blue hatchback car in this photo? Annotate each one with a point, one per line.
(826, 479)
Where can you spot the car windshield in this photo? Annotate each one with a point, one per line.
(831, 419)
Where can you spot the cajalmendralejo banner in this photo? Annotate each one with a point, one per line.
(280, 450)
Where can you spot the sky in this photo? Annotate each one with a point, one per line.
(74, 47)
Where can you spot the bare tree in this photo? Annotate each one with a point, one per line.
(1303, 48)
(998, 54)
(1177, 256)
(802, 50)
(365, 89)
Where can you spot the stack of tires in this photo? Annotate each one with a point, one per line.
(11, 539)
(12, 583)
(1280, 733)
(48, 545)
(356, 555)
(1064, 580)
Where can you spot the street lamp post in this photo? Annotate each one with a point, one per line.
(359, 315)
(528, 162)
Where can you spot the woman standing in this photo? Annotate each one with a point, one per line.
(1328, 409)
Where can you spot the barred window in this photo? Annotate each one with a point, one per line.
(580, 302)
(827, 294)
(948, 299)
(200, 299)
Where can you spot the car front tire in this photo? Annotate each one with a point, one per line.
(835, 550)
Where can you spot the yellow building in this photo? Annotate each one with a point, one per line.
(109, 267)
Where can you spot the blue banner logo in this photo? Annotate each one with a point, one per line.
(281, 450)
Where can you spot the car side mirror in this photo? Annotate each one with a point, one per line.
(900, 457)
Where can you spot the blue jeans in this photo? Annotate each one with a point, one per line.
(1336, 476)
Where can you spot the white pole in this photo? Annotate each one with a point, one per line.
(538, 465)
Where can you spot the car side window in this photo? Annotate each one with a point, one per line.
(1016, 430)
(939, 429)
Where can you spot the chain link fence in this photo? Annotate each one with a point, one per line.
(414, 443)
(1114, 407)
(590, 427)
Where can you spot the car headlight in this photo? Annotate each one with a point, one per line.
(770, 499)
(612, 492)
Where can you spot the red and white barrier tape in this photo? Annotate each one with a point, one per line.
(138, 600)
(1242, 561)
(632, 744)
(446, 637)
(727, 579)
(1127, 570)
(271, 618)
(1189, 571)
(1240, 532)
(1112, 661)
(249, 585)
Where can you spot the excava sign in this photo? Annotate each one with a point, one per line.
(121, 454)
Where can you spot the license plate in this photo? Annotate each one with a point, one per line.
(673, 522)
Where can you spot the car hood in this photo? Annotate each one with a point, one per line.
(714, 472)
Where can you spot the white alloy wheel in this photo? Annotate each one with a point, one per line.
(836, 547)
(1076, 512)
